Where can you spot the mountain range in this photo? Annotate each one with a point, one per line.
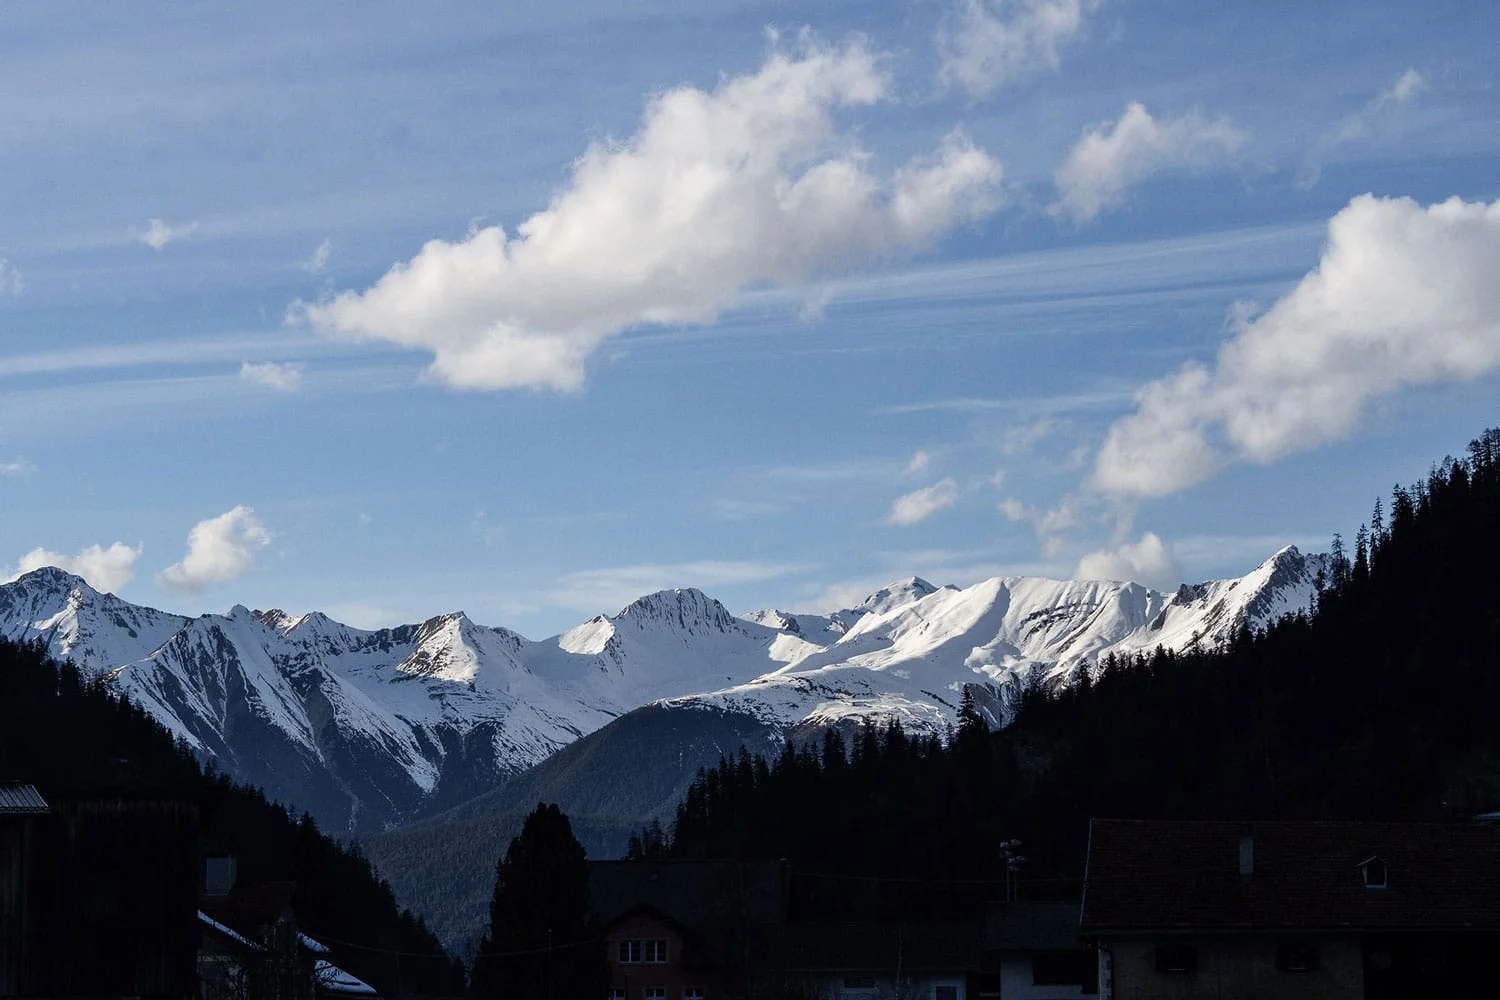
(368, 729)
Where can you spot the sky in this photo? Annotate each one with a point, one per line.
(390, 310)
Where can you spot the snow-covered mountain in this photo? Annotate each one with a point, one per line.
(368, 728)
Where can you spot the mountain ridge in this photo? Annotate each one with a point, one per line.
(369, 728)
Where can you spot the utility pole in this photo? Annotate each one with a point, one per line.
(1010, 850)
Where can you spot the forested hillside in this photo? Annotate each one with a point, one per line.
(70, 738)
(1377, 703)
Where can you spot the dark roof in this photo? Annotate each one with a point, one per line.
(21, 800)
(696, 894)
(1031, 927)
(877, 947)
(1165, 875)
(250, 909)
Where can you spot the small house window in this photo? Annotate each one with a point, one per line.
(1176, 958)
(859, 985)
(1296, 955)
(617, 994)
(692, 993)
(649, 950)
(655, 993)
(1375, 873)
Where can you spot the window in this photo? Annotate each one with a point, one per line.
(1176, 958)
(655, 993)
(648, 950)
(1057, 968)
(692, 993)
(1296, 955)
(616, 994)
(1375, 873)
(945, 993)
(859, 985)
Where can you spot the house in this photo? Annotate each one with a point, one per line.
(250, 945)
(1291, 909)
(926, 960)
(20, 805)
(1033, 951)
(686, 930)
(96, 895)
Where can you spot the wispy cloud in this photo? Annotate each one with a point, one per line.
(750, 183)
(219, 549)
(11, 282)
(17, 467)
(158, 234)
(610, 588)
(1111, 158)
(986, 44)
(318, 262)
(920, 504)
(281, 376)
(919, 464)
(1381, 115)
(1404, 295)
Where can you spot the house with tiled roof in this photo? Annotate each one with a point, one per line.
(1291, 909)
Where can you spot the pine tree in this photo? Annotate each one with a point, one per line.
(543, 943)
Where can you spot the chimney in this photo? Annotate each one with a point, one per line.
(220, 876)
(1247, 853)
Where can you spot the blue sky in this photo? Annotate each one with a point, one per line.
(781, 301)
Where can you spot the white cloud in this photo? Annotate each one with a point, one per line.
(1147, 561)
(750, 184)
(17, 467)
(218, 549)
(919, 505)
(612, 588)
(919, 464)
(985, 44)
(1380, 115)
(1108, 159)
(105, 569)
(1404, 295)
(158, 234)
(318, 262)
(283, 377)
(11, 282)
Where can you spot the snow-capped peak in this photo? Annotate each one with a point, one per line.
(689, 610)
(898, 594)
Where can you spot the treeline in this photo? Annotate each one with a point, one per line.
(73, 738)
(1377, 703)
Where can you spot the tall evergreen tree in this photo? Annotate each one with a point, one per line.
(542, 943)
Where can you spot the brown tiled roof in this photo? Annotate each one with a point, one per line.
(1165, 875)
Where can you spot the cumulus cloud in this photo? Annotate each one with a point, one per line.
(105, 568)
(158, 234)
(283, 377)
(613, 587)
(218, 549)
(1147, 561)
(1404, 295)
(749, 184)
(1380, 115)
(1109, 158)
(318, 262)
(919, 505)
(986, 44)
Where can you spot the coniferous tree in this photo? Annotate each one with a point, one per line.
(543, 943)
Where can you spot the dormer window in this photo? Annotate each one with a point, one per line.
(1375, 873)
